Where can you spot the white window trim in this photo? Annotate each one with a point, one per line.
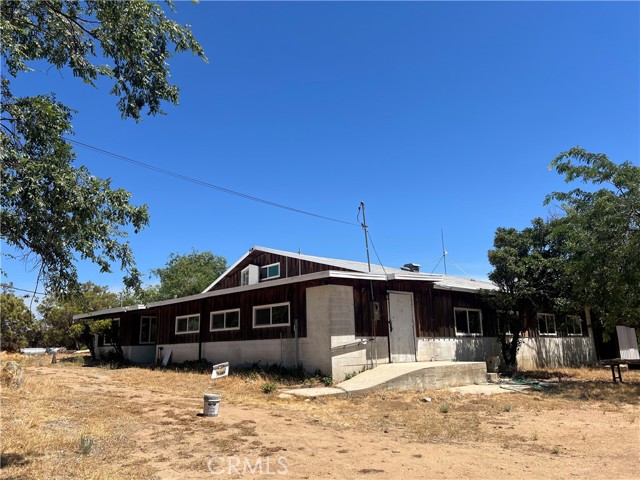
(267, 268)
(140, 336)
(555, 328)
(242, 274)
(187, 316)
(579, 321)
(455, 323)
(104, 337)
(219, 312)
(270, 306)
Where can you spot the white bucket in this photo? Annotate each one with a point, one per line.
(211, 404)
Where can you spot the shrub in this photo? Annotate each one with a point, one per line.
(269, 387)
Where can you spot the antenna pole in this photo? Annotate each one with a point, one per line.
(444, 252)
(366, 235)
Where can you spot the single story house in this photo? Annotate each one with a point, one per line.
(335, 316)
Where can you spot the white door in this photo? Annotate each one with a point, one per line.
(402, 337)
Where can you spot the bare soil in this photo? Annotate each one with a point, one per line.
(146, 424)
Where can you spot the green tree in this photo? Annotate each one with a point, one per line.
(602, 228)
(529, 268)
(188, 274)
(17, 322)
(57, 313)
(51, 208)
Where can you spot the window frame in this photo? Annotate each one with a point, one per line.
(219, 312)
(179, 317)
(270, 307)
(266, 268)
(244, 272)
(577, 320)
(148, 342)
(111, 343)
(468, 333)
(545, 315)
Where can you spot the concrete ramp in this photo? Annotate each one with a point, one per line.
(417, 375)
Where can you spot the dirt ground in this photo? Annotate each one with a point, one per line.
(145, 424)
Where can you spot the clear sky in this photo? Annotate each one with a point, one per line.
(436, 115)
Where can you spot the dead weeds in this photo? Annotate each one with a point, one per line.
(46, 423)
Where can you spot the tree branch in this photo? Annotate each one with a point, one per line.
(71, 20)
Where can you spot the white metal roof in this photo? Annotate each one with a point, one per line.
(447, 282)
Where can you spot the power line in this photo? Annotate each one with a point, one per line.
(207, 184)
(376, 252)
(11, 287)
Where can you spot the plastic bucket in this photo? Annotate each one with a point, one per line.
(211, 404)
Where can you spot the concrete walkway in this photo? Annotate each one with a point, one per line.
(405, 376)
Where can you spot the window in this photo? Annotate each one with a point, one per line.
(271, 315)
(251, 275)
(468, 321)
(225, 320)
(148, 329)
(574, 325)
(188, 324)
(270, 271)
(111, 338)
(546, 324)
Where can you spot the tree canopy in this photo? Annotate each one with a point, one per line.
(587, 257)
(530, 270)
(51, 209)
(57, 312)
(188, 274)
(17, 322)
(602, 231)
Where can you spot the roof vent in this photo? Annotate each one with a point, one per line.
(411, 267)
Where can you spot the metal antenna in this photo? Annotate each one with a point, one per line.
(444, 252)
(366, 233)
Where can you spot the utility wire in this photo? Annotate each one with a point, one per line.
(376, 252)
(460, 268)
(207, 184)
(10, 287)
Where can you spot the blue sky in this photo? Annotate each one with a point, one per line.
(436, 115)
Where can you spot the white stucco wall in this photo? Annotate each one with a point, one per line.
(315, 347)
(553, 352)
(272, 351)
(538, 352)
(140, 353)
(462, 349)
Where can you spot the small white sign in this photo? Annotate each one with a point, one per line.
(220, 370)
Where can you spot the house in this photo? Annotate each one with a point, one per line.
(335, 316)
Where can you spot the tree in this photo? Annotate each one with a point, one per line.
(52, 209)
(17, 322)
(529, 270)
(602, 228)
(188, 274)
(57, 313)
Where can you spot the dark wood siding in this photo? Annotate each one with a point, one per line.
(444, 302)
(289, 267)
(434, 310)
(129, 327)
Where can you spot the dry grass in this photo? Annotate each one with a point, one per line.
(46, 424)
